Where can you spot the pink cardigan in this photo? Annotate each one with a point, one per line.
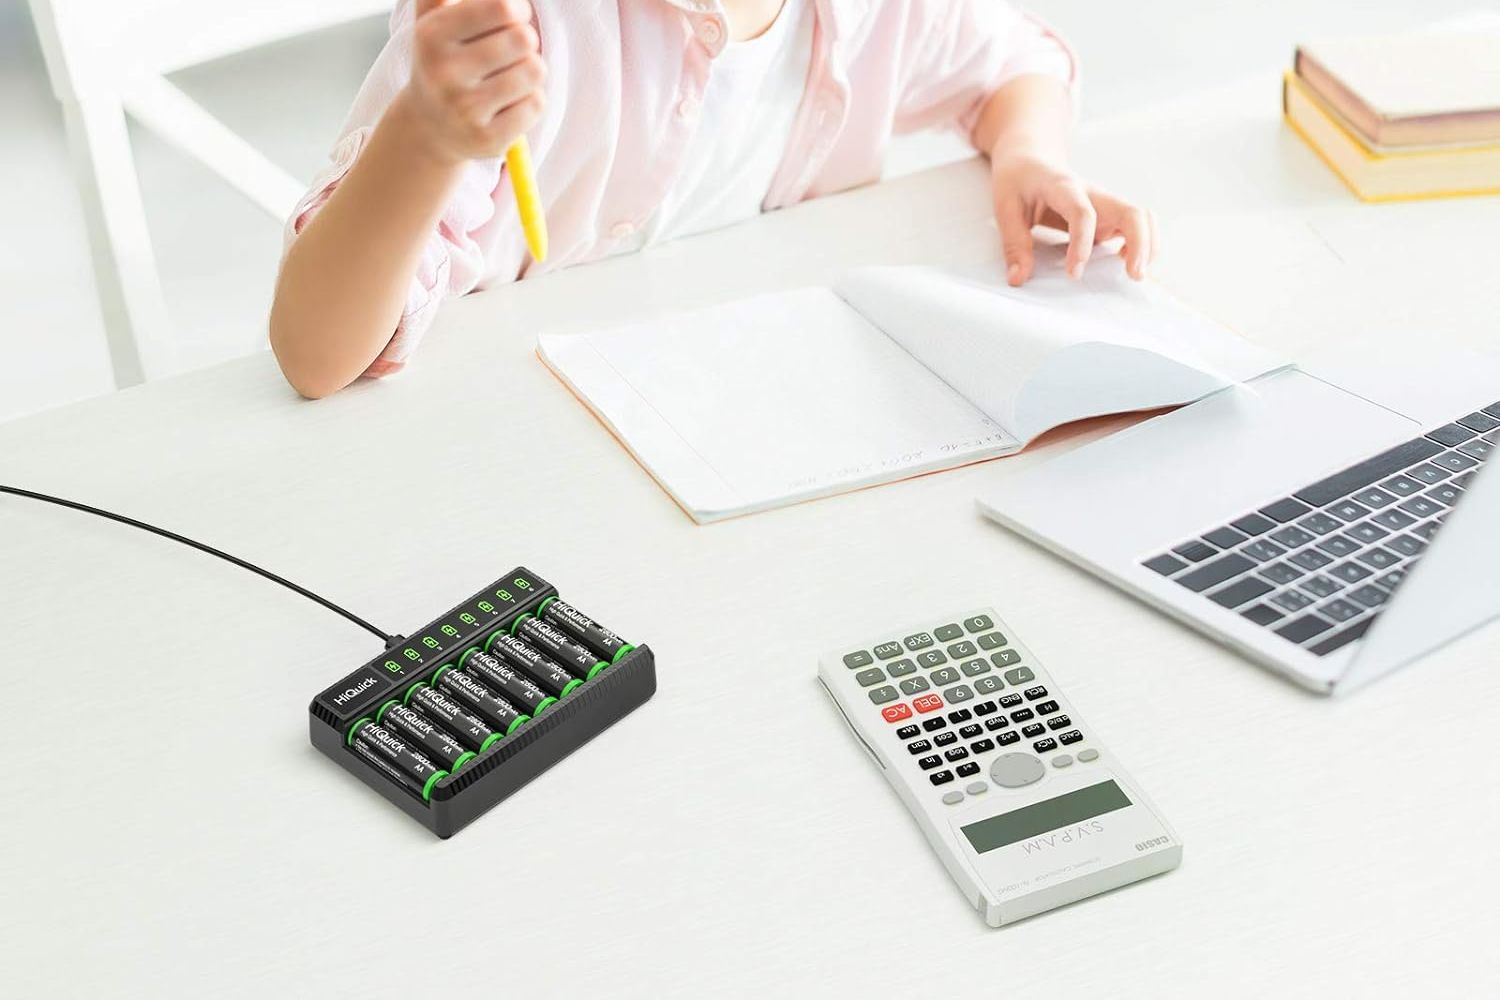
(625, 78)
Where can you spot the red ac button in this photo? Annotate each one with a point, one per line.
(895, 713)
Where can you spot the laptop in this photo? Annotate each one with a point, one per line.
(1332, 531)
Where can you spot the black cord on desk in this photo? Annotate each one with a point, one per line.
(389, 640)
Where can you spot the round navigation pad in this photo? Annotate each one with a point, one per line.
(1013, 770)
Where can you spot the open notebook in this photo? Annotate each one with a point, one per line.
(891, 373)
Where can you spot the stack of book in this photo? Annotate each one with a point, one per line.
(1415, 115)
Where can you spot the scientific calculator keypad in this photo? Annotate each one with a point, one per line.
(960, 698)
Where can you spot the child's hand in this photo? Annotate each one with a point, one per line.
(1030, 190)
(476, 75)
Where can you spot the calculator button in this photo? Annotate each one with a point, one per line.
(900, 668)
(932, 658)
(961, 649)
(941, 777)
(988, 685)
(886, 650)
(996, 724)
(1010, 701)
(1012, 770)
(1070, 737)
(1022, 715)
(1047, 708)
(1006, 739)
(895, 713)
(968, 770)
(1061, 722)
(933, 725)
(883, 694)
(1043, 746)
(982, 746)
(970, 731)
(920, 640)
(1033, 730)
(958, 694)
(872, 676)
(1005, 658)
(976, 787)
(952, 798)
(957, 753)
(1032, 694)
(984, 708)
(1020, 675)
(973, 668)
(1062, 760)
(991, 640)
(916, 747)
(929, 762)
(960, 715)
(947, 633)
(946, 675)
(945, 739)
(927, 703)
(906, 732)
(858, 658)
(978, 623)
(1088, 755)
(914, 685)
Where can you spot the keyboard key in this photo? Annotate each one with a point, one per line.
(1478, 448)
(1349, 572)
(1214, 573)
(979, 623)
(927, 703)
(1033, 693)
(895, 713)
(1446, 494)
(932, 658)
(929, 762)
(1060, 722)
(1378, 558)
(1196, 551)
(1342, 638)
(996, 724)
(1016, 677)
(956, 754)
(1291, 536)
(988, 685)
(1451, 435)
(1454, 461)
(1374, 497)
(1421, 507)
(900, 668)
(907, 732)
(1288, 509)
(967, 770)
(947, 633)
(883, 694)
(934, 724)
(1010, 701)
(1366, 532)
(1428, 473)
(919, 747)
(919, 640)
(1007, 739)
(1339, 545)
(914, 685)
(1068, 739)
(982, 746)
(886, 650)
(1022, 715)
(1391, 579)
(959, 650)
(1493, 409)
(1393, 519)
(1291, 600)
(1262, 614)
(1047, 707)
(1224, 538)
(1369, 471)
(947, 675)
(970, 731)
(960, 715)
(1406, 545)
(941, 777)
(1426, 530)
(1311, 559)
(1479, 421)
(1241, 591)
(1033, 731)
(1263, 551)
(858, 658)
(994, 640)
(1253, 524)
(1299, 630)
(1280, 572)
(1348, 510)
(1368, 595)
(1005, 657)
(1402, 486)
(973, 668)
(1320, 523)
(872, 676)
(1341, 610)
(1320, 586)
(959, 694)
(945, 739)
(984, 708)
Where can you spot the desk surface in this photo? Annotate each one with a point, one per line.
(729, 838)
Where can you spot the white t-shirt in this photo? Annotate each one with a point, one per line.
(749, 106)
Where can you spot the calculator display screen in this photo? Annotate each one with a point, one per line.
(1041, 817)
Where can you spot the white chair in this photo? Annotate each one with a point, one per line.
(109, 58)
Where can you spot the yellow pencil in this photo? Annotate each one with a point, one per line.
(528, 201)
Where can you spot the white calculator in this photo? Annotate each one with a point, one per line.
(1026, 808)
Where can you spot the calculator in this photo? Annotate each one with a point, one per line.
(1014, 791)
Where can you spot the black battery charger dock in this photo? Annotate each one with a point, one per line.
(448, 803)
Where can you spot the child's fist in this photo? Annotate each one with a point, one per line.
(476, 79)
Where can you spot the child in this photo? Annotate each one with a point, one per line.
(651, 119)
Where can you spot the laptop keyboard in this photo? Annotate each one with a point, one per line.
(1317, 566)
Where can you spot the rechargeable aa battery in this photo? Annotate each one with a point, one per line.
(394, 756)
(465, 690)
(505, 682)
(514, 653)
(583, 630)
(557, 645)
(424, 735)
(469, 728)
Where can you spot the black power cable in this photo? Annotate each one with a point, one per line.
(389, 640)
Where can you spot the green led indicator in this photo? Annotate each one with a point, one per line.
(411, 654)
(504, 595)
(450, 631)
(486, 607)
(468, 619)
(431, 643)
(393, 666)
(522, 583)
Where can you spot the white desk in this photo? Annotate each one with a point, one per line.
(170, 831)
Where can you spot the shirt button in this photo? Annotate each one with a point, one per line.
(710, 33)
(620, 230)
(688, 108)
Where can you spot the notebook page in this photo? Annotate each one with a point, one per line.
(770, 400)
(1056, 349)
